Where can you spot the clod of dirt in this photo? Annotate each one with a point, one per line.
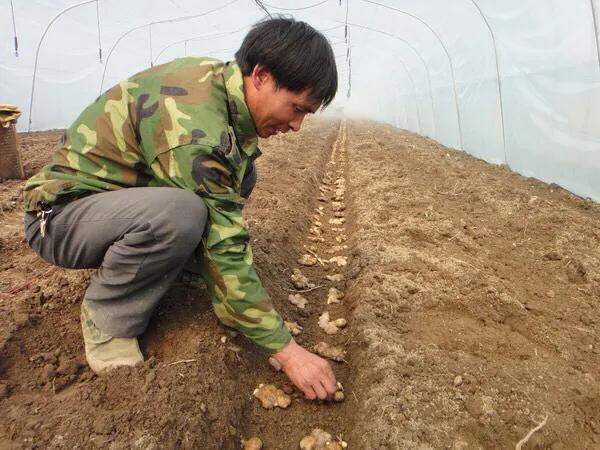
(337, 248)
(337, 221)
(577, 273)
(103, 424)
(315, 230)
(335, 295)
(49, 357)
(69, 367)
(321, 440)
(335, 278)
(338, 206)
(307, 260)
(331, 326)
(253, 443)
(270, 396)
(3, 391)
(294, 328)
(339, 260)
(330, 351)
(553, 256)
(341, 238)
(297, 300)
(300, 281)
(48, 372)
(458, 380)
(316, 239)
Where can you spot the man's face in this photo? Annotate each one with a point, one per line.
(276, 110)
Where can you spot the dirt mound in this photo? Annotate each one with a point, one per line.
(469, 295)
(476, 301)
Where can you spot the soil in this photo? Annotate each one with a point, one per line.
(471, 295)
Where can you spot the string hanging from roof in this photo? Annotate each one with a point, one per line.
(98, 24)
(12, 10)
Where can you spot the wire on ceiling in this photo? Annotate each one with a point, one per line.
(262, 6)
(296, 9)
(12, 10)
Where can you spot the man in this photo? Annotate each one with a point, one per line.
(154, 173)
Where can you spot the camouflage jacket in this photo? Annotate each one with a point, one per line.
(183, 124)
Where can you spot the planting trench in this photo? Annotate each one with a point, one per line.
(471, 295)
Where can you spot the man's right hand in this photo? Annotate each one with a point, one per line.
(309, 373)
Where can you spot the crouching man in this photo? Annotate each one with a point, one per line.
(154, 174)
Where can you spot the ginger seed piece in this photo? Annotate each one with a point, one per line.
(300, 281)
(294, 328)
(270, 396)
(297, 300)
(253, 443)
(330, 351)
(335, 277)
(339, 260)
(307, 260)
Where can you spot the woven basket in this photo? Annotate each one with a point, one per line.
(10, 158)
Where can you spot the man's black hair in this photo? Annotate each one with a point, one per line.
(297, 55)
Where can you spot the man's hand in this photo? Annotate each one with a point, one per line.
(309, 372)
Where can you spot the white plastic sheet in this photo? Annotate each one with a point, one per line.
(427, 66)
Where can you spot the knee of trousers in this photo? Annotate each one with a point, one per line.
(182, 222)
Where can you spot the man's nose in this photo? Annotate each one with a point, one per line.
(296, 123)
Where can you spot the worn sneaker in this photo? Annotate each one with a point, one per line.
(103, 351)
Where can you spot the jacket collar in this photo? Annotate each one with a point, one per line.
(239, 114)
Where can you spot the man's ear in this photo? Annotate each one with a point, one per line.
(260, 76)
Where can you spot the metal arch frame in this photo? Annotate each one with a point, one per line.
(489, 27)
(37, 52)
(412, 81)
(437, 36)
(179, 18)
(216, 35)
(416, 52)
(199, 37)
(595, 21)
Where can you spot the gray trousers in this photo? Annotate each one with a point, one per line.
(139, 239)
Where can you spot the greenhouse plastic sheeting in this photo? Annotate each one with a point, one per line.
(430, 67)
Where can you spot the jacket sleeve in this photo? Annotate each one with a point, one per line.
(238, 296)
